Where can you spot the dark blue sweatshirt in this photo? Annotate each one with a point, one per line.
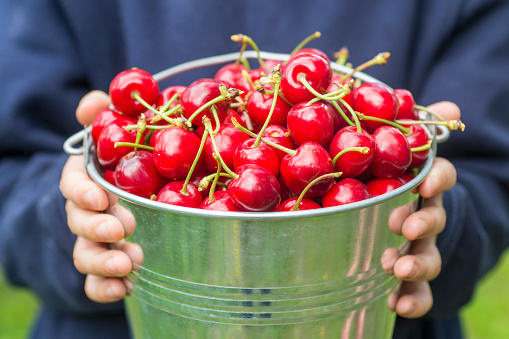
(52, 52)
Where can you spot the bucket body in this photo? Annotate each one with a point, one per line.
(321, 273)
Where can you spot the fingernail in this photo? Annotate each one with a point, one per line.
(91, 198)
(111, 265)
(113, 291)
(410, 270)
(103, 231)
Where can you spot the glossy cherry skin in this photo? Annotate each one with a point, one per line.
(107, 116)
(109, 176)
(227, 140)
(168, 93)
(199, 93)
(375, 100)
(405, 177)
(351, 164)
(136, 173)
(171, 194)
(243, 85)
(109, 155)
(276, 134)
(336, 79)
(229, 74)
(255, 190)
(379, 186)
(126, 83)
(154, 136)
(174, 152)
(305, 204)
(346, 191)
(310, 123)
(259, 106)
(406, 104)
(263, 155)
(233, 114)
(337, 119)
(310, 50)
(392, 153)
(222, 203)
(310, 162)
(417, 138)
(318, 74)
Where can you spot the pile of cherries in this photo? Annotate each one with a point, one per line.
(285, 136)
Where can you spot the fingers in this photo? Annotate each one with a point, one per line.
(446, 109)
(426, 222)
(91, 104)
(105, 290)
(441, 178)
(76, 186)
(423, 262)
(415, 299)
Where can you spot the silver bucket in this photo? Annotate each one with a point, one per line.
(307, 274)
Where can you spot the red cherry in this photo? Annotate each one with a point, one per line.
(310, 161)
(129, 82)
(255, 189)
(405, 177)
(417, 138)
(109, 176)
(263, 155)
(172, 194)
(174, 152)
(345, 191)
(318, 74)
(222, 202)
(227, 140)
(277, 135)
(259, 106)
(352, 163)
(229, 74)
(337, 119)
(309, 50)
(406, 104)
(392, 153)
(155, 135)
(198, 94)
(109, 155)
(136, 173)
(305, 204)
(379, 186)
(168, 93)
(242, 83)
(375, 100)
(237, 116)
(337, 79)
(107, 116)
(310, 123)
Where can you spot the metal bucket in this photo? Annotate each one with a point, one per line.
(321, 273)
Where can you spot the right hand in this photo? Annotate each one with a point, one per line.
(99, 252)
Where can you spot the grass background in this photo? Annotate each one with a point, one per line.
(485, 317)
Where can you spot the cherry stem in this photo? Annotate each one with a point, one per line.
(193, 166)
(379, 59)
(242, 49)
(241, 38)
(208, 126)
(269, 116)
(405, 130)
(204, 183)
(132, 144)
(216, 118)
(206, 105)
(141, 126)
(427, 110)
(246, 76)
(342, 55)
(352, 112)
(305, 42)
(363, 150)
(422, 148)
(301, 196)
(270, 143)
(452, 125)
(216, 178)
(165, 107)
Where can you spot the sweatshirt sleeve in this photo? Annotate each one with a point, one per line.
(42, 83)
(470, 68)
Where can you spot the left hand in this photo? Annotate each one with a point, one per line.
(423, 261)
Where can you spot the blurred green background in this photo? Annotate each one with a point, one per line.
(486, 317)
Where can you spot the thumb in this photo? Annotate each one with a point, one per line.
(91, 104)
